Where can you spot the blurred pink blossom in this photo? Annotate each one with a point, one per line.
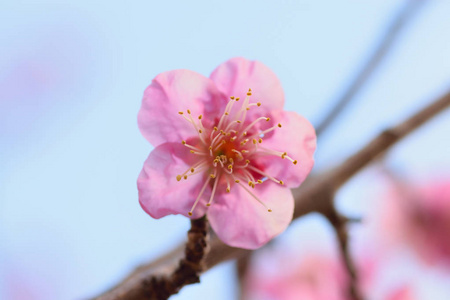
(418, 215)
(216, 146)
(312, 276)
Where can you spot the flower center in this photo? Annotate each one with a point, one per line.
(226, 151)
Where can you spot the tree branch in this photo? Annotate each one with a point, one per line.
(368, 68)
(312, 195)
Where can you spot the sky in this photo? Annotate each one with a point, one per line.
(72, 75)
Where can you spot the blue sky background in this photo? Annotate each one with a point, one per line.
(72, 74)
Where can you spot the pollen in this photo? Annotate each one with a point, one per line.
(178, 177)
(279, 125)
(294, 162)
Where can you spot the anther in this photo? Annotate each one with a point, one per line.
(192, 170)
(180, 112)
(237, 99)
(260, 181)
(212, 175)
(200, 131)
(232, 97)
(200, 117)
(178, 177)
(183, 142)
(188, 111)
(237, 181)
(279, 125)
(269, 210)
(259, 103)
(185, 177)
(267, 119)
(281, 182)
(294, 162)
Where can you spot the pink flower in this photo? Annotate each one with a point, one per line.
(419, 216)
(217, 151)
(314, 275)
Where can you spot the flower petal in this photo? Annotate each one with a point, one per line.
(241, 221)
(171, 92)
(160, 194)
(297, 137)
(237, 75)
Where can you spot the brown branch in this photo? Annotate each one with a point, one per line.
(312, 195)
(369, 67)
(340, 226)
(158, 286)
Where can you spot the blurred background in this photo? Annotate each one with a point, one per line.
(72, 75)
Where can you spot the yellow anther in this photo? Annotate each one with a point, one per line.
(267, 119)
(178, 177)
(244, 151)
(200, 117)
(189, 213)
(208, 204)
(260, 140)
(250, 183)
(254, 141)
(226, 114)
(281, 182)
(283, 155)
(232, 97)
(249, 89)
(210, 147)
(185, 177)
(269, 210)
(247, 161)
(188, 111)
(248, 108)
(260, 181)
(212, 176)
(259, 103)
(228, 190)
(215, 128)
(180, 112)
(294, 162)
(249, 94)
(244, 133)
(237, 99)
(237, 181)
(239, 122)
(192, 151)
(279, 125)
(183, 142)
(230, 167)
(231, 160)
(224, 142)
(192, 170)
(200, 131)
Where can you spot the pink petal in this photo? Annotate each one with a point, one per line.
(237, 75)
(160, 194)
(241, 221)
(171, 92)
(297, 137)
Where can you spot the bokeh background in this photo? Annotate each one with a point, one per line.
(72, 74)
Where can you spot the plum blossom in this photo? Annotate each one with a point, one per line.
(224, 147)
(314, 275)
(418, 215)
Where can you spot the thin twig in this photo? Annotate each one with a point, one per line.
(368, 68)
(312, 195)
(340, 226)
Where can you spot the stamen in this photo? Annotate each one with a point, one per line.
(265, 175)
(255, 197)
(190, 146)
(213, 192)
(199, 195)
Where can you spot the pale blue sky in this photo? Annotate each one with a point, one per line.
(72, 74)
